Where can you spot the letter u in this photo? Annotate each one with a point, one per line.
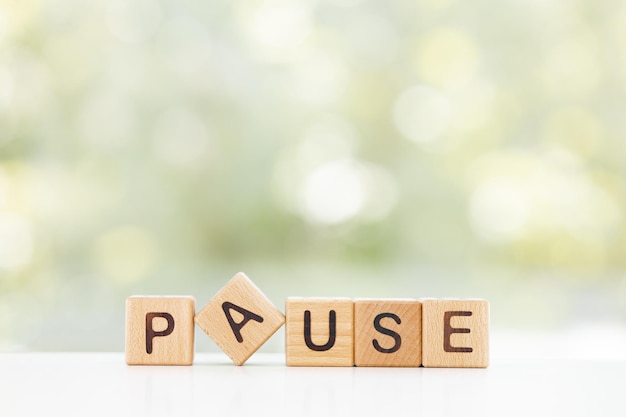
(332, 331)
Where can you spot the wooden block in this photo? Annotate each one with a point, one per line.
(455, 333)
(159, 330)
(319, 331)
(240, 318)
(387, 332)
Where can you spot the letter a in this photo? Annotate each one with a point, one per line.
(247, 316)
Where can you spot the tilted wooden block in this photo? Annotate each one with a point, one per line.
(240, 318)
(387, 332)
(455, 333)
(159, 330)
(319, 331)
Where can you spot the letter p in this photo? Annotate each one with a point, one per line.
(151, 334)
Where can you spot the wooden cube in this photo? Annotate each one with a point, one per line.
(240, 318)
(387, 332)
(319, 332)
(455, 333)
(159, 330)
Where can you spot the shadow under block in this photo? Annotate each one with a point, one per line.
(387, 332)
(159, 330)
(240, 318)
(319, 332)
(455, 333)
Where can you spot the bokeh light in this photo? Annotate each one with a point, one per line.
(16, 243)
(423, 114)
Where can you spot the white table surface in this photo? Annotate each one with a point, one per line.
(88, 384)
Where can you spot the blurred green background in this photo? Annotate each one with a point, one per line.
(359, 148)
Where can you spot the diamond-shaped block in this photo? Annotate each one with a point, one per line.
(240, 318)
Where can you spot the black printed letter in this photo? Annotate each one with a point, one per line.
(332, 330)
(448, 330)
(151, 334)
(388, 332)
(247, 316)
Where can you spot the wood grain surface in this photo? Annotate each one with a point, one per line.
(240, 318)
(330, 331)
(455, 333)
(159, 330)
(398, 339)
